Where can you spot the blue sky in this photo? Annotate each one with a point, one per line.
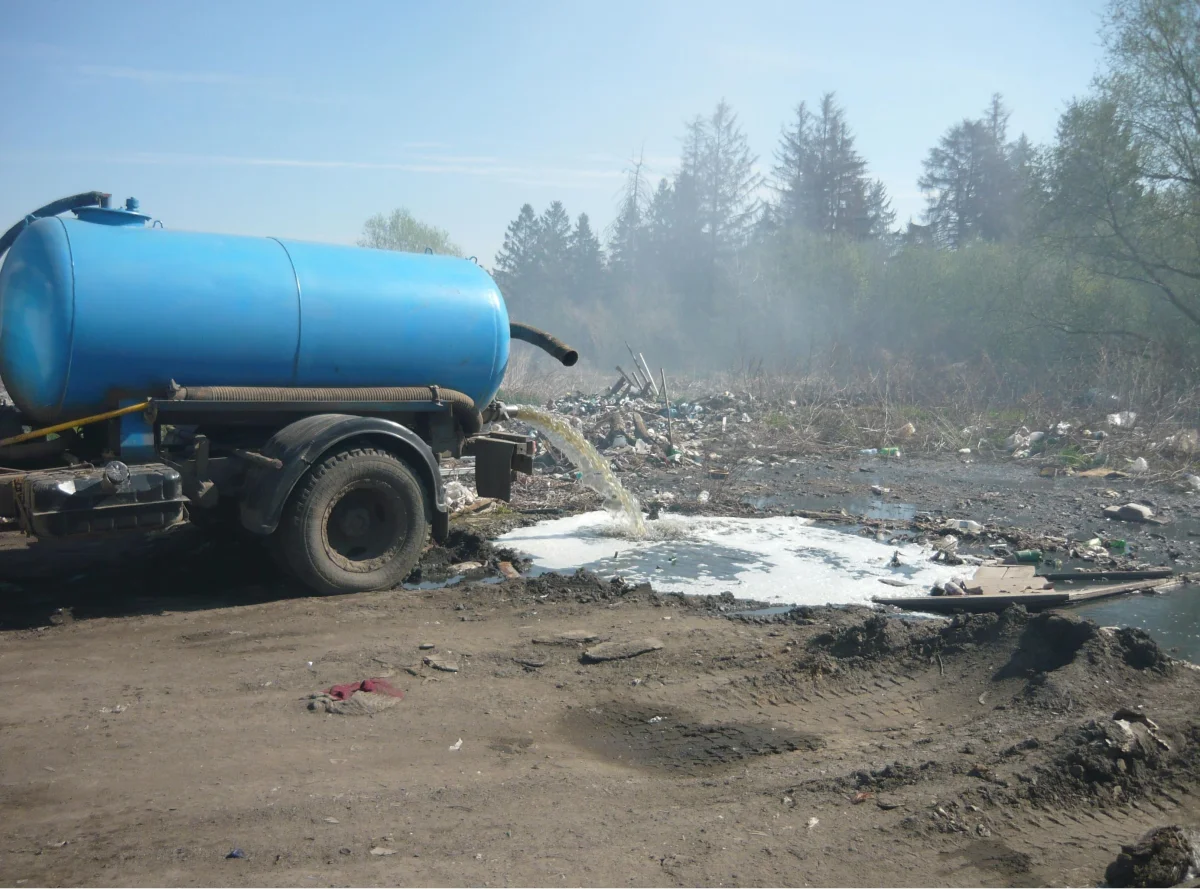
(301, 119)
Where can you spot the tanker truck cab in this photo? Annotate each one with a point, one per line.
(304, 393)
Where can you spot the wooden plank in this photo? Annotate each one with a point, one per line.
(1095, 576)
(1033, 601)
(975, 604)
(1000, 579)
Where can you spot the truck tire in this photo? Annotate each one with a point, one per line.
(357, 521)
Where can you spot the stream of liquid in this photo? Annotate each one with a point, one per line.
(594, 470)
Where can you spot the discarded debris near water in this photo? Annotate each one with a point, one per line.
(993, 588)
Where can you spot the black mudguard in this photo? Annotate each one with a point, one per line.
(303, 443)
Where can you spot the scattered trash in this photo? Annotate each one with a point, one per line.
(966, 525)
(1122, 419)
(1182, 444)
(654, 720)
(813, 822)
(457, 745)
(459, 496)
(862, 796)
(374, 686)
(614, 651)
(363, 698)
(118, 708)
(380, 850)
(1139, 465)
(1019, 439)
(908, 430)
(331, 820)
(1028, 556)
(446, 665)
(880, 452)
(236, 853)
(1194, 482)
(507, 569)
(880, 490)
(703, 497)
(964, 450)
(426, 646)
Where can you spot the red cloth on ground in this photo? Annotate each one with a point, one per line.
(378, 686)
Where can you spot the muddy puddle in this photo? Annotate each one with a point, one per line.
(778, 560)
(663, 739)
(787, 561)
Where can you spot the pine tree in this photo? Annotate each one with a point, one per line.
(625, 234)
(516, 263)
(793, 166)
(727, 183)
(972, 190)
(820, 177)
(586, 261)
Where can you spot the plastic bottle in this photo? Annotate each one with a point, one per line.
(889, 452)
(1029, 556)
(971, 527)
(869, 452)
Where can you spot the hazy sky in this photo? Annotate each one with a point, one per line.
(301, 119)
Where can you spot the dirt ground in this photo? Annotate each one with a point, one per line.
(156, 719)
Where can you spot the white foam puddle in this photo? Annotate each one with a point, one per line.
(784, 561)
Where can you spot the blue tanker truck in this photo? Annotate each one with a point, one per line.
(304, 392)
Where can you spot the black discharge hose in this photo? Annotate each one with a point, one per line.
(62, 205)
(544, 341)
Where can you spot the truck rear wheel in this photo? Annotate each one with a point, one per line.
(357, 521)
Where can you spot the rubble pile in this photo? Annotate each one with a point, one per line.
(716, 433)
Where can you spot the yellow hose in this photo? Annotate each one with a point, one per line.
(62, 427)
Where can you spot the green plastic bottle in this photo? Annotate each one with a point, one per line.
(1029, 556)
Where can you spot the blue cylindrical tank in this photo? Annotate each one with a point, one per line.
(103, 308)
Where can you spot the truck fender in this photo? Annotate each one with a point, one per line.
(304, 442)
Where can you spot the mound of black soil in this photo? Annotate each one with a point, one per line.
(1115, 759)
(877, 637)
(1051, 641)
(1165, 856)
